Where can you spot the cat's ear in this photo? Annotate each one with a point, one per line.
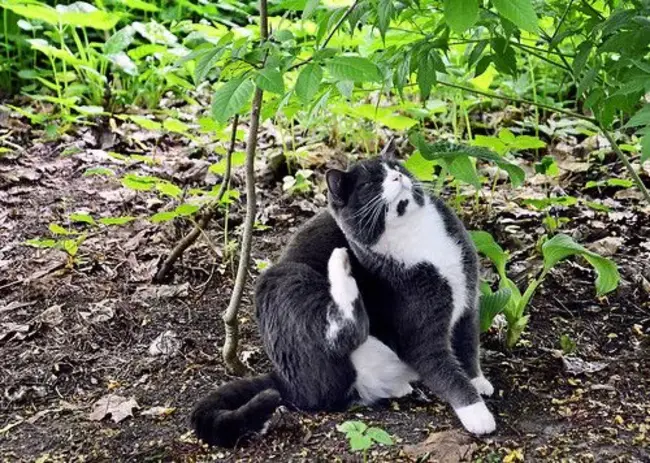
(336, 185)
(389, 153)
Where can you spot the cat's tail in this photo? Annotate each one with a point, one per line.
(237, 410)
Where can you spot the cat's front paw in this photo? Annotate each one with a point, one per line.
(476, 418)
(483, 386)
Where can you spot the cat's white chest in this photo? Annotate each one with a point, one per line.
(420, 237)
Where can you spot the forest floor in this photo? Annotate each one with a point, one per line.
(73, 333)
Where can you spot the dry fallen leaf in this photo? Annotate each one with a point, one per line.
(444, 447)
(606, 247)
(166, 343)
(576, 366)
(99, 312)
(159, 412)
(116, 406)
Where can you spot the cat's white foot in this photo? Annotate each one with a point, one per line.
(483, 386)
(343, 286)
(476, 418)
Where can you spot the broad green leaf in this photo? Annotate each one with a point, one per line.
(119, 41)
(139, 182)
(163, 216)
(82, 217)
(54, 52)
(526, 142)
(352, 426)
(379, 435)
(140, 5)
(359, 441)
(308, 82)
(155, 33)
(237, 159)
(123, 62)
(354, 68)
(205, 62)
(270, 80)
(70, 246)
(385, 12)
(146, 123)
(174, 125)
(562, 246)
(41, 243)
(116, 220)
(486, 245)
(186, 209)
(492, 304)
(492, 143)
(520, 12)
(169, 189)
(460, 14)
(642, 117)
(310, 8)
(231, 97)
(421, 168)
(463, 169)
(59, 230)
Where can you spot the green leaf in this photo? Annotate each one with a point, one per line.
(70, 246)
(237, 159)
(645, 148)
(352, 426)
(169, 189)
(174, 125)
(486, 245)
(562, 246)
(463, 169)
(310, 8)
(82, 217)
(119, 41)
(146, 123)
(421, 168)
(379, 435)
(186, 209)
(231, 97)
(116, 220)
(205, 61)
(520, 12)
(359, 442)
(460, 14)
(354, 68)
(385, 12)
(492, 304)
(59, 230)
(642, 117)
(270, 80)
(163, 216)
(140, 5)
(308, 82)
(139, 183)
(45, 243)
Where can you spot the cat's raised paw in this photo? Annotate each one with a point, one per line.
(476, 418)
(339, 262)
(483, 386)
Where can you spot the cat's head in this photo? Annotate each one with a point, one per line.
(372, 196)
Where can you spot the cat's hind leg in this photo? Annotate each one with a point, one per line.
(465, 341)
(347, 320)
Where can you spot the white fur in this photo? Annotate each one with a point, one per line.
(482, 385)
(420, 236)
(476, 418)
(380, 372)
(343, 289)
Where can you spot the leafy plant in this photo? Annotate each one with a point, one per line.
(362, 438)
(511, 301)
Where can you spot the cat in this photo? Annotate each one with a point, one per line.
(373, 294)
(314, 328)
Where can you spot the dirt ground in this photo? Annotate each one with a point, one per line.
(70, 334)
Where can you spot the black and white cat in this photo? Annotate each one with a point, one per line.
(387, 260)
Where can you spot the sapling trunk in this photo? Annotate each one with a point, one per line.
(229, 351)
